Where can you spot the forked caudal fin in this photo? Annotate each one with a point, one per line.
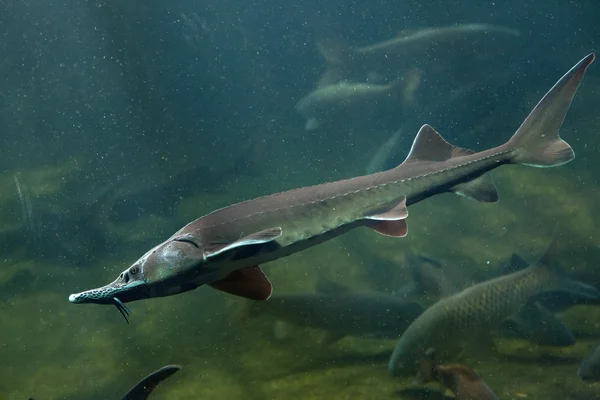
(537, 142)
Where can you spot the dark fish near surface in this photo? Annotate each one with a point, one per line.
(589, 370)
(143, 388)
(469, 316)
(225, 248)
(461, 380)
(341, 312)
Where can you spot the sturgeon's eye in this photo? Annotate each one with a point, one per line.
(134, 270)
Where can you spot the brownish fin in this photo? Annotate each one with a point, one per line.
(262, 237)
(429, 145)
(462, 370)
(250, 282)
(391, 228)
(391, 222)
(480, 189)
(537, 141)
(426, 371)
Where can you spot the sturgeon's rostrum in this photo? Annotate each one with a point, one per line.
(224, 249)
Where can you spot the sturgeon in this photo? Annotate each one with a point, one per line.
(224, 249)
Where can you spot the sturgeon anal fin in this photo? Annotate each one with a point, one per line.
(431, 146)
(392, 222)
(265, 236)
(480, 189)
(250, 282)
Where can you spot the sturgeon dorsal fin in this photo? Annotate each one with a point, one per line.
(431, 146)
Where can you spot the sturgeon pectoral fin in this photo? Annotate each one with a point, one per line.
(480, 189)
(392, 222)
(264, 236)
(250, 282)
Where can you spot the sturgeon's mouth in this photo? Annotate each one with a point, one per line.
(115, 293)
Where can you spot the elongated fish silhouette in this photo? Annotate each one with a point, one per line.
(340, 311)
(225, 248)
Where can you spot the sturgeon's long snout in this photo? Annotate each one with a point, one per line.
(129, 286)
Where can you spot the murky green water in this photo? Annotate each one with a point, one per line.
(66, 152)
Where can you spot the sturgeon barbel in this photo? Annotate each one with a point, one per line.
(224, 249)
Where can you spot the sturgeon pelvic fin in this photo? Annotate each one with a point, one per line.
(537, 142)
(251, 283)
(392, 222)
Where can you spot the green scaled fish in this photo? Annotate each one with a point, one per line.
(468, 316)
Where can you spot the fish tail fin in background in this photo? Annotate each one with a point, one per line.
(537, 141)
(407, 86)
(338, 57)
